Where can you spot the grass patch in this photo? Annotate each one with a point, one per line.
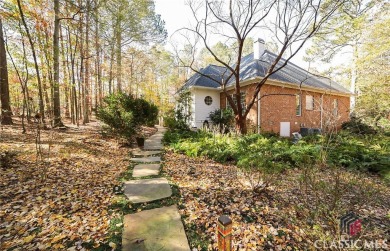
(200, 241)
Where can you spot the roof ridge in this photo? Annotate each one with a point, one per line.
(215, 65)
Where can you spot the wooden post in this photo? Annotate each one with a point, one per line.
(224, 233)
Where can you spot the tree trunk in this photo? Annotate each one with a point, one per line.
(86, 98)
(75, 114)
(73, 99)
(241, 124)
(65, 67)
(118, 37)
(45, 58)
(98, 71)
(80, 69)
(80, 87)
(56, 67)
(41, 105)
(6, 113)
(45, 93)
(25, 82)
(354, 74)
(110, 79)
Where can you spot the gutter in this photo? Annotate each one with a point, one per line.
(258, 112)
(292, 86)
(205, 88)
(322, 111)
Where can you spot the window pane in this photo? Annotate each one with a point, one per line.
(243, 101)
(335, 107)
(309, 102)
(298, 104)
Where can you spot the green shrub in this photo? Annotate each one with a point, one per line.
(175, 121)
(124, 114)
(357, 126)
(222, 117)
(175, 136)
(271, 153)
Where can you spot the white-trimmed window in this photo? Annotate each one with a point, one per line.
(298, 105)
(243, 101)
(335, 107)
(208, 100)
(309, 102)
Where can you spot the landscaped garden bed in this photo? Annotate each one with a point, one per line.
(301, 202)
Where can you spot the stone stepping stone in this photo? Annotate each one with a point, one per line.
(154, 141)
(145, 153)
(139, 191)
(153, 145)
(143, 170)
(146, 159)
(156, 229)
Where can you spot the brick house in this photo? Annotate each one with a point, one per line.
(291, 99)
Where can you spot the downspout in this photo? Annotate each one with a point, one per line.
(258, 113)
(322, 110)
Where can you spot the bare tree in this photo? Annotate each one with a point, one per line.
(291, 22)
(23, 82)
(87, 75)
(41, 105)
(6, 113)
(56, 66)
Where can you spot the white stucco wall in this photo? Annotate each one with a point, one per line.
(200, 110)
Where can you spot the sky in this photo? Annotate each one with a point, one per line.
(177, 14)
(174, 12)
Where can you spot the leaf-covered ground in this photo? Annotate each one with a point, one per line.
(283, 217)
(61, 202)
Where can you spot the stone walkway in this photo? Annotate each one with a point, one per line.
(146, 190)
(143, 170)
(141, 153)
(146, 159)
(155, 229)
(159, 228)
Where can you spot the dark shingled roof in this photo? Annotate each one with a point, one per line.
(251, 68)
(214, 71)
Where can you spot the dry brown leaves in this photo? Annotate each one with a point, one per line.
(261, 221)
(63, 201)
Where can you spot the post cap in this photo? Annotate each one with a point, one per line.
(224, 220)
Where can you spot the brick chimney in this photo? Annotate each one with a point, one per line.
(258, 48)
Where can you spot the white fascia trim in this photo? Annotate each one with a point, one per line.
(243, 83)
(205, 88)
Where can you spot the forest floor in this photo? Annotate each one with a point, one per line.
(60, 198)
(63, 201)
(289, 215)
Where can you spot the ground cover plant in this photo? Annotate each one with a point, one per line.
(345, 149)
